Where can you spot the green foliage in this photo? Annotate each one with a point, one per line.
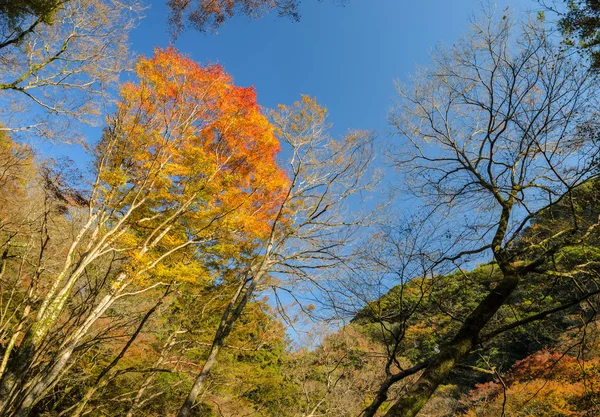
(13, 11)
(581, 27)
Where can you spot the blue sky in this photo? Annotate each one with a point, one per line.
(346, 56)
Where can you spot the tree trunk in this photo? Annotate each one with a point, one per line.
(15, 371)
(444, 362)
(46, 379)
(137, 401)
(200, 382)
(382, 393)
(229, 317)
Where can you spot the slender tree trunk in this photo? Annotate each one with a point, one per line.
(13, 340)
(17, 367)
(444, 362)
(228, 319)
(200, 381)
(137, 401)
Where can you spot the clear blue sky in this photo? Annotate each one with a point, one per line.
(347, 57)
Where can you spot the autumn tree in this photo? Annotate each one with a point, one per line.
(185, 173)
(557, 381)
(498, 130)
(310, 231)
(147, 373)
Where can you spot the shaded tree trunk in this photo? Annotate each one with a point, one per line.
(444, 362)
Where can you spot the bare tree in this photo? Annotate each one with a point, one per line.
(62, 59)
(494, 133)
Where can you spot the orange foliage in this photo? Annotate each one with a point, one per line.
(546, 383)
(192, 153)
